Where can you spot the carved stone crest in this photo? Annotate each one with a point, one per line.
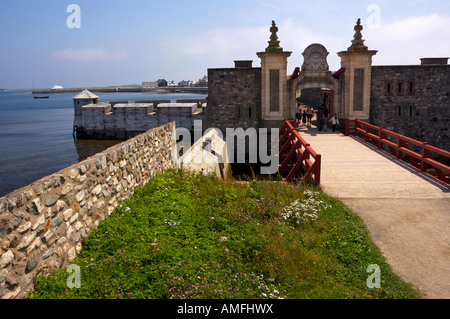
(315, 58)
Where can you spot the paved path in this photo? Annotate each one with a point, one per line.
(406, 212)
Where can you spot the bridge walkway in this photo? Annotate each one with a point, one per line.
(406, 211)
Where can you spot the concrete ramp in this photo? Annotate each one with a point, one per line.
(406, 211)
(208, 154)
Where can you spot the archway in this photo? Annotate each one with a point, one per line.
(325, 81)
(315, 74)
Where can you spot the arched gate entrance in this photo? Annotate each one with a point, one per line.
(315, 74)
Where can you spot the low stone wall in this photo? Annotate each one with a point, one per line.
(42, 225)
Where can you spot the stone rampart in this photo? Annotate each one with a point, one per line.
(413, 100)
(125, 120)
(42, 225)
(234, 98)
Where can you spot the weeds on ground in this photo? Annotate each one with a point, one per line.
(187, 235)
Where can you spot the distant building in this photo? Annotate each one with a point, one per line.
(162, 83)
(57, 87)
(185, 83)
(203, 82)
(149, 85)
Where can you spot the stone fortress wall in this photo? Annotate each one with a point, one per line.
(234, 96)
(413, 100)
(42, 225)
(123, 120)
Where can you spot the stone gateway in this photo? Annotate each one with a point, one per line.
(412, 100)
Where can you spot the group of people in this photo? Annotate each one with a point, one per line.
(323, 119)
(305, 117)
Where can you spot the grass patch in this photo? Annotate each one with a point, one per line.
(186, 235)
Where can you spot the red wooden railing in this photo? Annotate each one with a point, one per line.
(416, 153)
(297, 157)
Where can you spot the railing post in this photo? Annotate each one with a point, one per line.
(368, 130)
(380, 143)
(347, 127)
(425, 154)
(318, 164)
(357, 125)
(401, 143)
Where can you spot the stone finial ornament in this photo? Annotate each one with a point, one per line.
(358, 29)
(274, 44)
(358, 42)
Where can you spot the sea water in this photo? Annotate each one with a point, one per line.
(36, 135)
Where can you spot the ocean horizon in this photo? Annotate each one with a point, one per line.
(36, 135)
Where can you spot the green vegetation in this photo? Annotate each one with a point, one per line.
(186, 235)
(306, 104)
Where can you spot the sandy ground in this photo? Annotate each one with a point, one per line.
(406, 211)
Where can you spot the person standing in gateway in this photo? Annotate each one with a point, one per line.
(334, 122)
(320, 120)
(309, 114)
(298, 114)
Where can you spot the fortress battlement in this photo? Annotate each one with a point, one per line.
(123, 120)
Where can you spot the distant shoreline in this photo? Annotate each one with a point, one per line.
(127, 89)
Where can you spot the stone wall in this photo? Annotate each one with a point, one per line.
(182, 113)
(234, 98)
(123, 120)
(42, 225)
(413, 101)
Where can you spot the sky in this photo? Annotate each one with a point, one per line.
(87, 43)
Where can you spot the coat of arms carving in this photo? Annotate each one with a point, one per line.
(315, 58)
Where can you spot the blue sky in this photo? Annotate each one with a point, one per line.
(124, 42)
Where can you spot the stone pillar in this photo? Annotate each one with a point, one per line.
(357, 61)
(274, 97)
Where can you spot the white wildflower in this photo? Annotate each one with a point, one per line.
(302, 211)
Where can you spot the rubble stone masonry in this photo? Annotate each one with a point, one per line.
(42, 225)
(234, 98)
(413, 100)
